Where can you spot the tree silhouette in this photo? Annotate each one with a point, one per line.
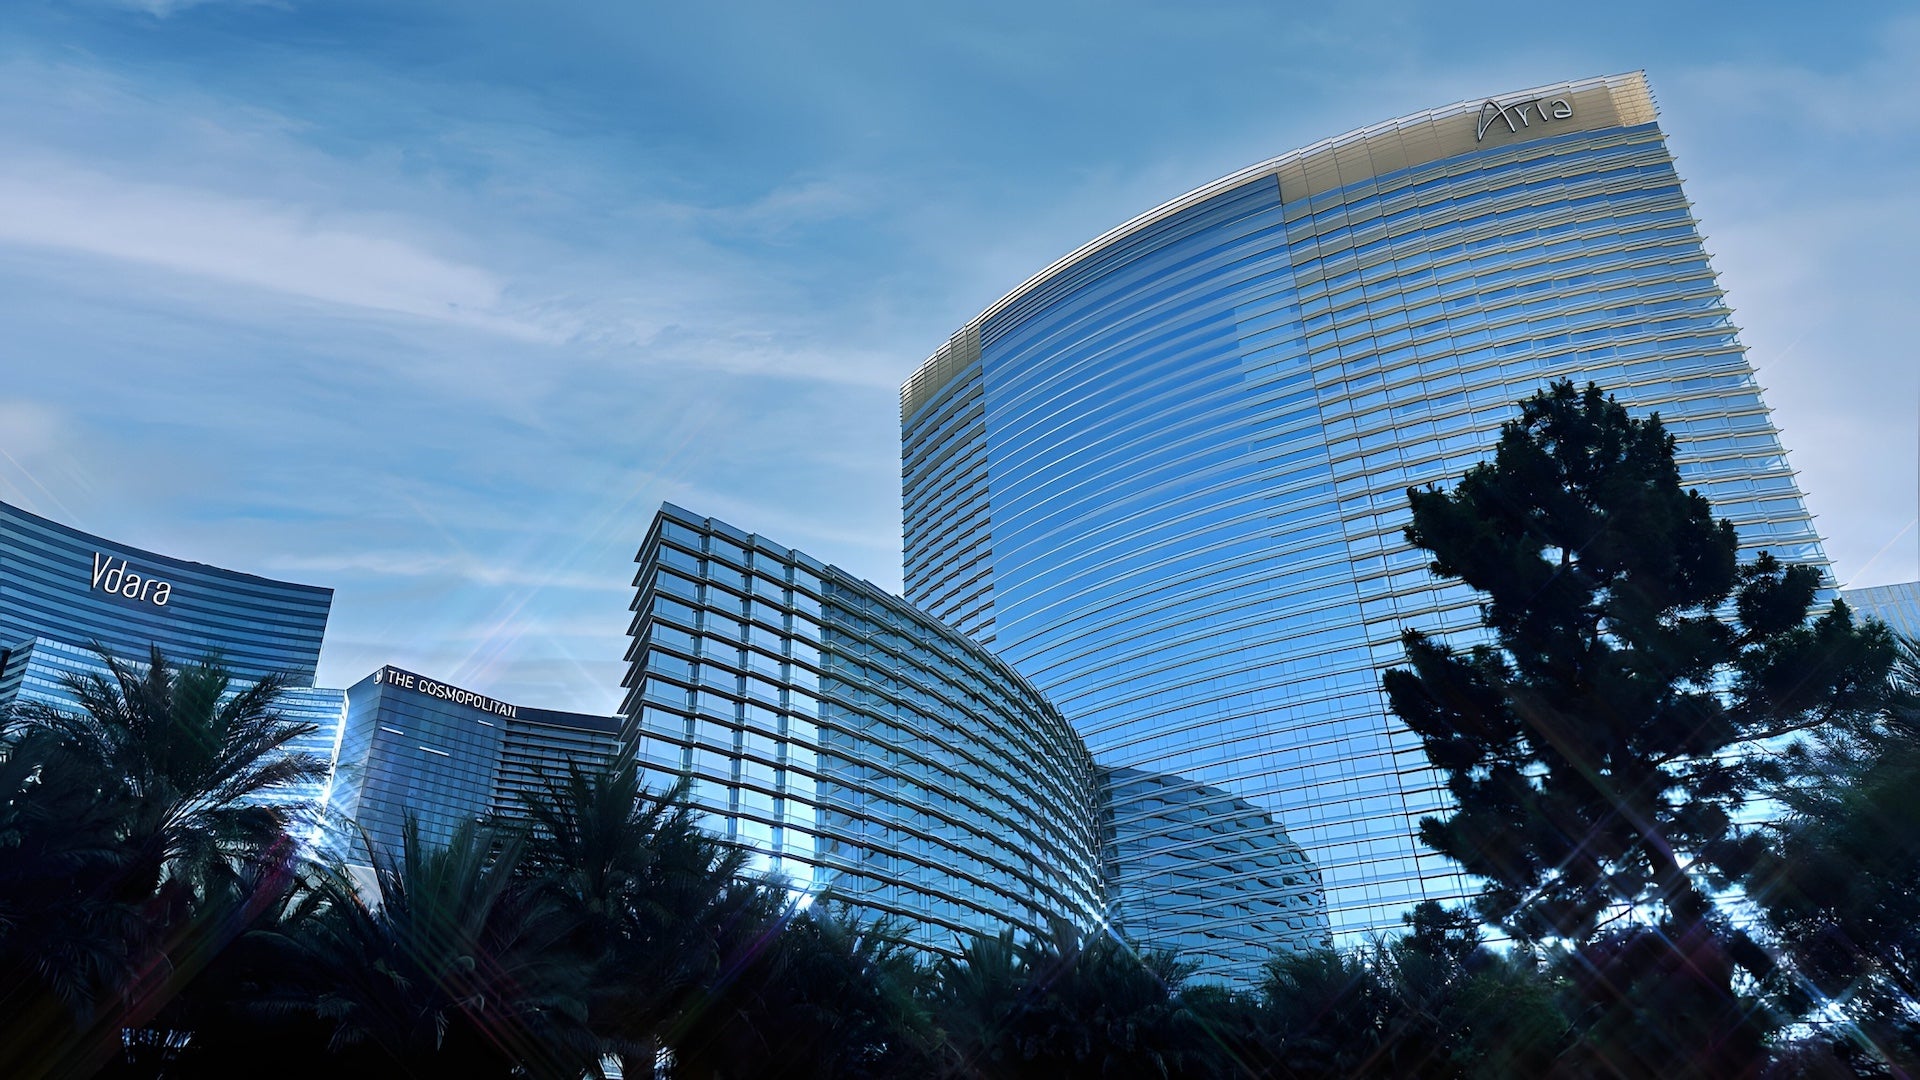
(449, 964)
(1837, 883)
(1588, 740)
(662, 910)
(133, 849)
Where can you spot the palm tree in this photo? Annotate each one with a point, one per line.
(66, 936)
(1434, 1002)
(130, 839)
(1071, 1005)
(449, 964)
(189, 752)
(1326, 1014)
(825, 996)
(977, 999)
(1099, 1008)
(660, 907)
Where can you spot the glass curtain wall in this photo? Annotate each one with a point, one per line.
(1896, 605)
(859, 748)
(1178, 462)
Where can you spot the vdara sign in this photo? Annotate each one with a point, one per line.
(420, 684)
(1520, 114)
(113, 576)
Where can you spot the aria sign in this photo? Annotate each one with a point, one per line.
(114, 577)
(1520, 114)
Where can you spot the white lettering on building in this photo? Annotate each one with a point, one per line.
(420, 684)
(114, 576)
(1520, 114)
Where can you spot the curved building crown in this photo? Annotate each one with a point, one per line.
(1360, 154)
(65, 586)
(64, 592)
(1166, 477)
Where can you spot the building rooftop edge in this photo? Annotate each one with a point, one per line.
(851, 582)
(527, 713)
(913, 393)
(169, 560)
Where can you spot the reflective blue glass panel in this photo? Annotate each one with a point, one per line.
(1167, 477)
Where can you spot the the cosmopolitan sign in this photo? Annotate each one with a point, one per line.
(1521, 114)
(114, 576)
(420, 684)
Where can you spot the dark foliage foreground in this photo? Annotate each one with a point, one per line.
(606, 928)
(1624, 703)
(1636, 686)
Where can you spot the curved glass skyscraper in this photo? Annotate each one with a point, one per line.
(60, 584)
(1166, 478)
(65, 593)
(857, 746)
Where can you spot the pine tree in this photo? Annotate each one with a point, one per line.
(1836, 882)
(1591, 742)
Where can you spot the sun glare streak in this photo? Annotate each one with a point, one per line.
(66, 512)
(1884, 548)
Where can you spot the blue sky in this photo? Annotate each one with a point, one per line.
(434, 302)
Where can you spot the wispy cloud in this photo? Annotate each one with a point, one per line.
(1872, 97)
(27, 429)
(1803, 169)
(788, 210)
(422, 564)
(162, 9)
(251, 242)
(29, 434)
(522, 228)
(461, 290)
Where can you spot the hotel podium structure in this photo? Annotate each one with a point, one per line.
(1896, 605)
(859, 747)
(1165, 479)
(869, 753)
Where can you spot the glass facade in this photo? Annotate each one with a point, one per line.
(76, 589)
(1212, 877)
(417, 747)
(326, 710)
(860, 748)
(1896, 605)
(1166, 478)
(539, 745)
(37, 669)
(62, 591)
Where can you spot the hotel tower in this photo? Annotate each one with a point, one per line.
(1165, 478)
